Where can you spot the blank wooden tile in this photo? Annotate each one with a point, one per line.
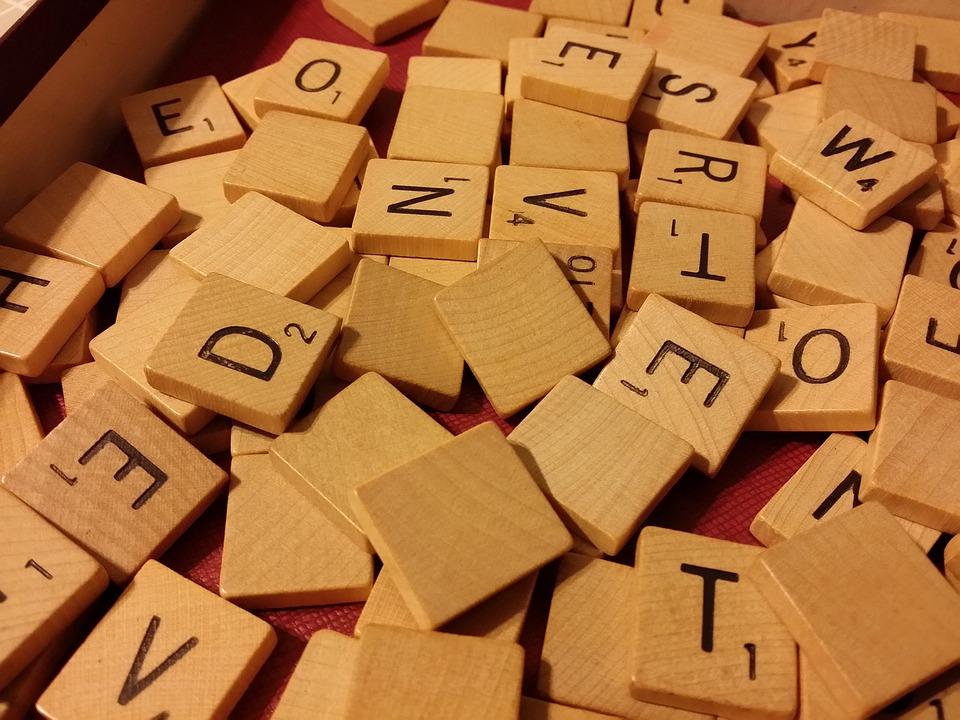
(150, 282)
(520, 327)
(938, 257)
(303, 162)
(75, 351)
(521, 53)
(241, 92)
(557, 26)
(937, 55)
(531, 709)
(572, 443)
(608, 12)
(80, 383)
(90, 494)
(218, 648)
(442, 272)
(334, 298)
(455, 31)
(703, 172)
(951, 562)
(183, 120)
(46, 581)
(647, 13)
(764, 89)
(865, 43)
(473, 74)
(22, 429)
(941, 696)
(421, 209)
(924, 208)
(705, 638)
(95, 218)
(783, 120)
(702, 260)
(320, 685)
(790, 53)
(865, 564)
(824, 262)
(948, 114)
(246, 440)
(348, 208)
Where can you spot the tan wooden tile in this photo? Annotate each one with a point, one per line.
(243, 352)
(245, 440)
(702, 260)
(46, 581)
(705, 638)
(824, 262)
(703, 172)
(764, 89)
(522, 52)
(937, 55)
(557, 26)
(520, 327)
(865, 563)
(647, 13)
(607, 12)
(22, 429)
(348, 208)
(320, 685)
(150, 282)
(183, 120)
(948, 114)
(334, 298)
(303, 162)
(80, 383)
(241, 92)
(455, 31)
(691, 97)
(421, 209)
(783, 120)
(951, 561)
(865, 43)
(815, 700)
(173, 649)
(79, 478)
(924, 209)
(473, 74)
(689, 376)
(531, 709)
(790, 53)
(442, 272)
(572, 443)
(940, 697)
(545, 136)
(75, 351)
(938, 257)
(42, 303)
(197, 184)
(94, 218)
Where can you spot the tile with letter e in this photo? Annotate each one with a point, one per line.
(864, 42)
(172, 649)
(790, 52)
(308, 164)
(706, 640)
(532, 709)
(607, 12)
(455, 31)
(575, 445)
(703, 172)
(938, 257)
(863, 562)
(46, 582)
(243, 352)
(377, 21)
(323, 79)
(938, 57)
(697, 380)
(647, 13)
(520, 327)
(183, 120)
(22, 430)
(118, 480)
(475, 74)
(421, 209)
(241, 91)
(321, 680)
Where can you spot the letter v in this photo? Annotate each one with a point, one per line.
(134, 684)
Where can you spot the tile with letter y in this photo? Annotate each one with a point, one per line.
(608, 12)
(790, 52)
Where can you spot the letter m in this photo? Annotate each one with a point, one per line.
(861, 147)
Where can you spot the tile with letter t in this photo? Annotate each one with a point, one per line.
(243, 352)
(938, 257)
(647, 13)
(455, 32)
(790, 52)
(118, 480)
(22, 430)
(607, 12)
(171, 648)
(864, 42)
(321, 679)
(697, 380)
(184, 120)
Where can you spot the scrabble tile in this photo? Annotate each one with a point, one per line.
(520, 327)
(333, 451)
(246, 440)
(449, 126)
(150, 283)
(602, 491)
(323, 79)
(948, 114)
(545, 136)
(22, 429)
(183, 120)
(243, 352)
(558, 26)
(76, 480)
(825, 262)
(348, 208)
(938, 257)
(942, 696)
(334, 298)
(690, 377)
(42, 302)
(783, 120)
(321, 680)
(531, 709)
(455, 31)
(442, 272)
(218, 648)
(241, 92)
(521, 53)
(75, 351)
(647, 13)
(937, 55)
(377, 21)
(703, 172)
(197, 184)
(815, 700)
(865, 563)
(589, 73)
(405, 674)
(921, 348)
(473, 74)
(80, 383)
(726, 44)
(47, 581)
(826, 485)
(607, 12)
(951, 559)
(765, 88)
(271, 533)
(924, 209)
(303, 162)
(702, 260)
(790, 53)
(94, 218)
(421, 209)
(829, 357)
(691, 97)
(864, 43)
(705, 638)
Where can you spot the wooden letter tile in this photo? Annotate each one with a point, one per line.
(607, 12)
(22, 430)
(938, 257)
(647, 13)
(241, 92)
(783, 120)
(474, 74)
(531, 709)
(557, 26)
(938, 57)
(864, 43)
(320, 685)
(442, 272)
(790, 53)
(951, 563)
(334, 298)
(79, 385)
(455, 32)
(377, 21)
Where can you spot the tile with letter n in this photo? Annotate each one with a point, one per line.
(863, 42)
(705, 638)
(166, 649)
(243, 352)
(46, 582)
(823, 582)
(697, 380)
(790, 52)
(647, 13)
(607, 12)
(938, 257)
(184, 120)
(532, 709)
(421, 209)
(22, 430)
(477, 74)
(118, 480)
(853, 168)
(321, 680)
(455, 33)
(701, 172)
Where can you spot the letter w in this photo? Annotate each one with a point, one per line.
(402, 207)
(860, 148)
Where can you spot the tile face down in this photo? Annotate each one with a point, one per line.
(865, 43)
(380, 20)
(320, 686)
(455, 31)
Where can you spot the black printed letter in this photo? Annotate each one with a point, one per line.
(708, 161)
(207, 353)
(402, 207)
(334, 74)
(134, 684)
(135, 459)
(710, 578)
(15, 279)
(932, 340)
(696, 363)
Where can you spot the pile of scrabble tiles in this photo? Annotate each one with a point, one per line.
(292, 301)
